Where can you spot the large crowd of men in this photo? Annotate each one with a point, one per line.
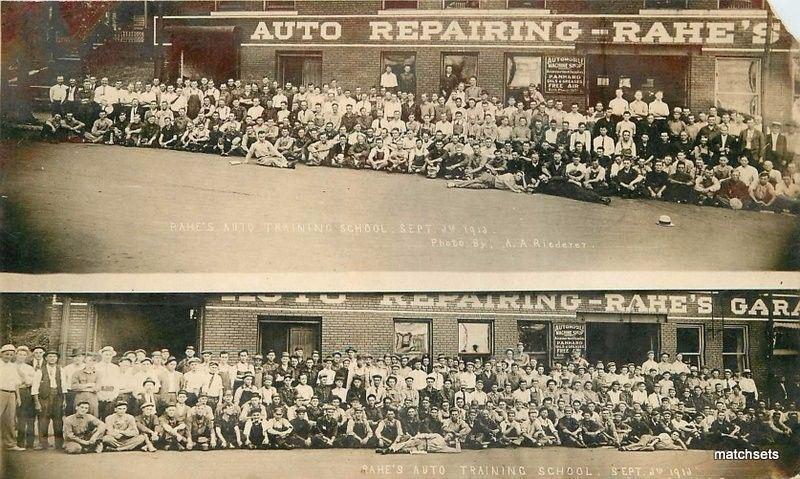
(103, 401)
(631, 148)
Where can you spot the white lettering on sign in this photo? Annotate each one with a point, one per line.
(615, 303)
(764, 307)
(677, 32)
(279, 30)
(760, 33)
(518, 31)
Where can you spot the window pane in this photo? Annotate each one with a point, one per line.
(390, 4)
(474, 338)
(534, 337)
(786, 338)
(738, 75)
(733, 340)
(522, 71)
(411, 338)
(406, 81)
(462, 3)
(691, 359)
(525, 3)
(464, 65)
(741, 4)
(734, 362)
(688, 340)
(664, 3)
(748, 104)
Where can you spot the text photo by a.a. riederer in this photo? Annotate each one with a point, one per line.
(514, 384)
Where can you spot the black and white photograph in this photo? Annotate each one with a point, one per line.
(572, 384)
(321, 136)
(400, 239)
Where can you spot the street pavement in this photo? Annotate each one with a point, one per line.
(80, 208)
(347, 464)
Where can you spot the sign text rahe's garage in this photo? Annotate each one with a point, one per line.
(686, 304)
(516, 31)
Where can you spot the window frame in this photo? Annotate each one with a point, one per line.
(645, 6)
(545, 357)
(476, 7)
(415, 7)
(428, 322)
(720, 7)
(758, 87)
(508, 55)
(701, 342)
(411, 53)
(745, 344)
(467, 53)
(509, 7)
(490, 323)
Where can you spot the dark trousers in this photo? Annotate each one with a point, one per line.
(56, 107)
(572, 191)
(105, 409)
(69, 403)
(26, 419)
(52, 410)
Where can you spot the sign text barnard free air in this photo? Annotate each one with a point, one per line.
(513, 31)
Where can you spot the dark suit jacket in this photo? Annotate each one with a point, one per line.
(731, 143)
(757, 143)
(775, 153)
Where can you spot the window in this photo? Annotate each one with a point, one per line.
(522, 71)
(464, 65)
(734, 348)
(412, 337)
(398, 61)
(796, 85)
(253, 5)
(690, 344)
(475, 338)
(738, 85)
(535, 337)
(526, 3)
(664, 3)
(741, 4)
(399, 4)
(787, 339)
(461, 3)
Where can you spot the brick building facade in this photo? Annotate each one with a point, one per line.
(578, 51)
(719, 329)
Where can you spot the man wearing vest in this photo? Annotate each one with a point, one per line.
(48, 395)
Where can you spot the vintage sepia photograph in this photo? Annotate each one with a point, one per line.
(321, 136)
(677, 384)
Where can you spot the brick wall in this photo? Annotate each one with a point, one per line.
(367, 322)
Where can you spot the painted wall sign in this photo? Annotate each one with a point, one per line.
(567, 337)
(564, 75)
(676, 304)
(550, 30)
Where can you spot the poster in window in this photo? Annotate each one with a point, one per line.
(523, 71)
(411, 338)
(474, 338)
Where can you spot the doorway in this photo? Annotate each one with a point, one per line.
(667, 73)
(300, 68)
(622, 343)
(127, 327)
(286, 333)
